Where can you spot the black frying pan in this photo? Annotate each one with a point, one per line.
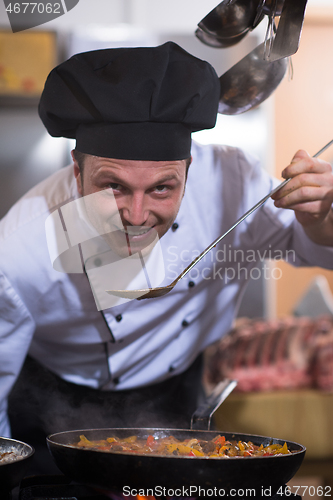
(115, 470)
(12, 472)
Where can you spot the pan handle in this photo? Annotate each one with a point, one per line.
(202, 416)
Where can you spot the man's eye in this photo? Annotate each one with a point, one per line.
(114, 186)
(161, 188)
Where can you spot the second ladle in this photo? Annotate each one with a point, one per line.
(151, 293)
(250, 82)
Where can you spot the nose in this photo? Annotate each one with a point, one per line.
(134, 212)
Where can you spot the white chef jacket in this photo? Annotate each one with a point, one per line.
(53, 315)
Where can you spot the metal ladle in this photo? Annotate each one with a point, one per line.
(201, 418)
(216, 41)
(151, 293)
(231, 19)
(250, 82)
(289, 30)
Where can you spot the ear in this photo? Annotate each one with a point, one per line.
(77, 175)
(187, 167)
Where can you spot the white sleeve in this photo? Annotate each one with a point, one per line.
(16, 331)
(310, 253)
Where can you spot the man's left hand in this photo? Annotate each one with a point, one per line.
(310, 194)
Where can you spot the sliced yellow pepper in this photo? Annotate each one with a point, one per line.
(284, 449)
(131, 439)
(84, 440)
(241, 446)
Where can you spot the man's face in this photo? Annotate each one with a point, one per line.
(137, 201)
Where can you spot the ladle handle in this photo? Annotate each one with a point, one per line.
(202, 416)
(249, 212)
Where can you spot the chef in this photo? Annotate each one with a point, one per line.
(136, 206)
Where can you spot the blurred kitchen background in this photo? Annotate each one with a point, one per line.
(298, 115)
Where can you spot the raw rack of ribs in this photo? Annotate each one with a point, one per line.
(266, 355)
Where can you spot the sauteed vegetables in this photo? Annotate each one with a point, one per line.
(217, 447)
(8, 456)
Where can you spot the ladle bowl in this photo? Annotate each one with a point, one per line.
(231, 18)
(250, 82)
(218, 42)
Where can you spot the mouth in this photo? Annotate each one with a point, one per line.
(135, 232)
(134, 238)
(128, 240)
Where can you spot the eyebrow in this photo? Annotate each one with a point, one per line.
(163, 180)
(167, 178)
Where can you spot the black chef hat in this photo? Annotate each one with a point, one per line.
(131, 103)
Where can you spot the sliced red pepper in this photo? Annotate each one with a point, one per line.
(150, 440)
(220, 440)
(191, 454)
